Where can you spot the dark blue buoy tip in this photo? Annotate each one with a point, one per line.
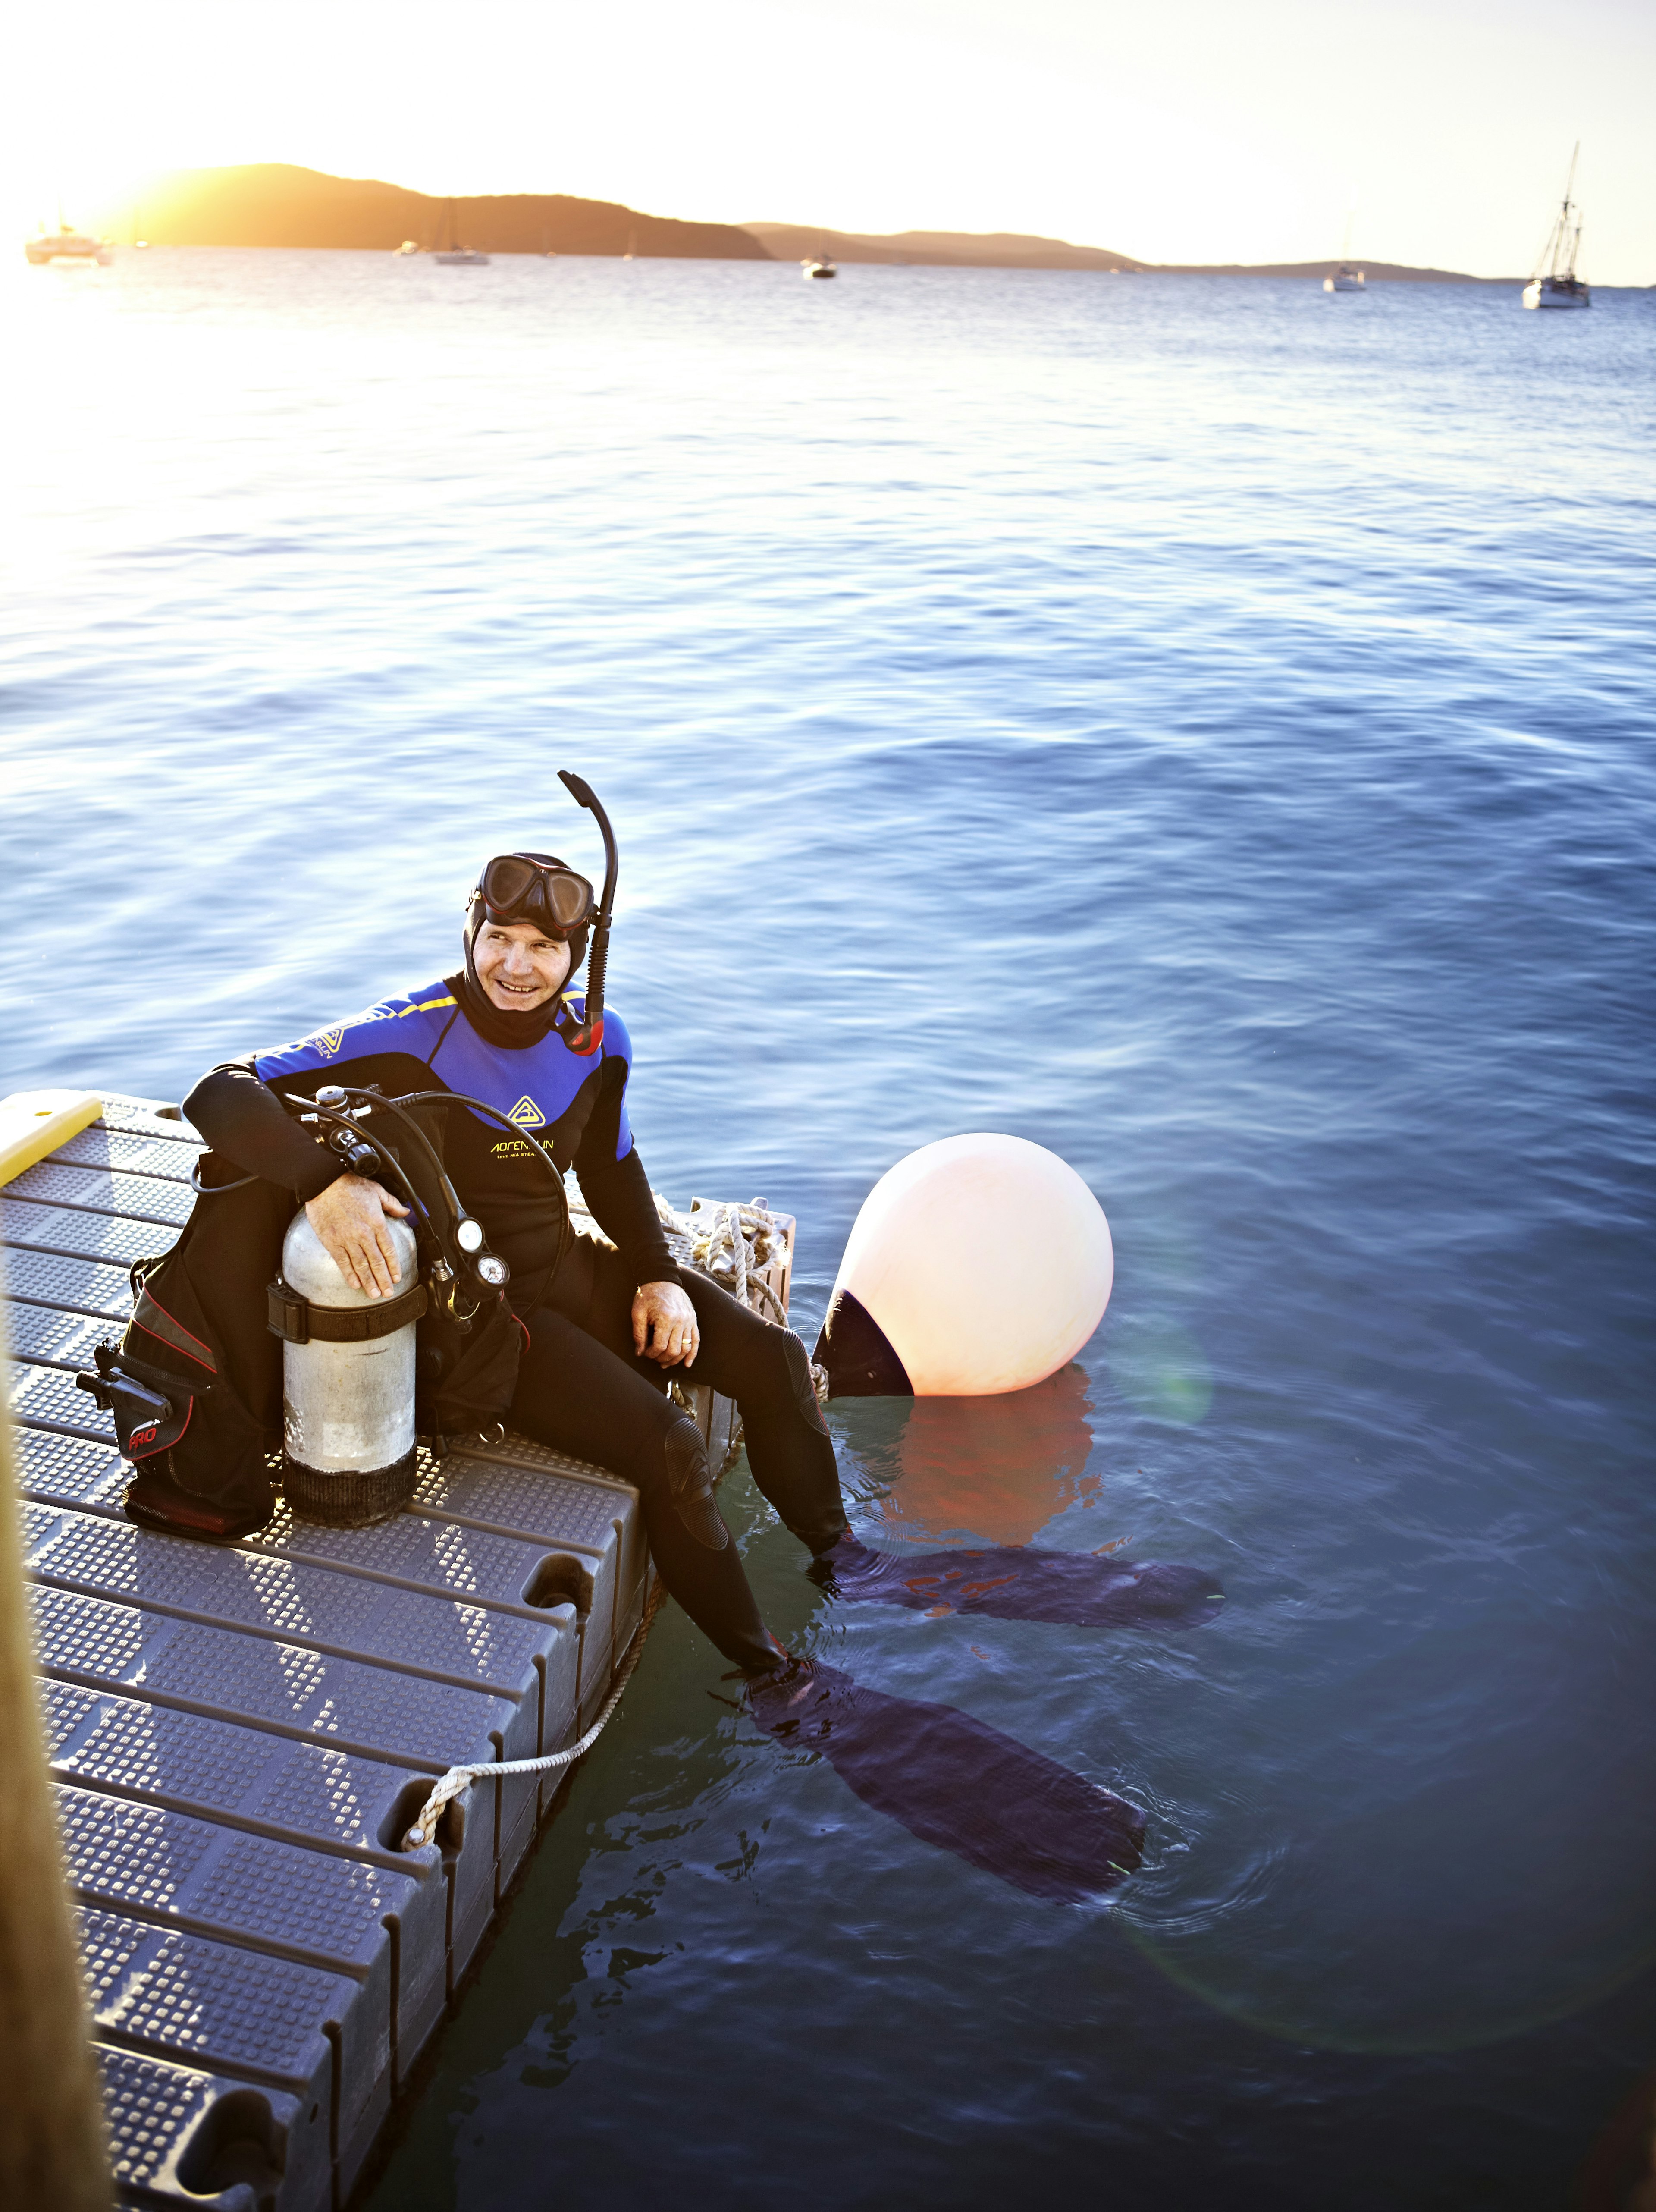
(858, 1354)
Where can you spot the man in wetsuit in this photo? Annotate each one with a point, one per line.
(605, 1329)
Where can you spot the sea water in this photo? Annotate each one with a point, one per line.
(1203, 725)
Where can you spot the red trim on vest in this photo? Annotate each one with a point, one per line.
(206, 1358)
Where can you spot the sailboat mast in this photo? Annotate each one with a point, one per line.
(1563, 242)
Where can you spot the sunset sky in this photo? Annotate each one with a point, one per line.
(1192, 129)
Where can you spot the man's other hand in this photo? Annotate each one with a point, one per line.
(349, 1217)
(663, 1325)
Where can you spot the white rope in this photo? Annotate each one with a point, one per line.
(459, 1779)
(738, 1250)
(734, 1245)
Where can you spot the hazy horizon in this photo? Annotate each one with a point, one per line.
(1210, 133)
(149, 207)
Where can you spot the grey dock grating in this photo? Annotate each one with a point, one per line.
(240, 1736)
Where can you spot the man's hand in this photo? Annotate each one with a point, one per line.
(664, 1309)
(349, 1217)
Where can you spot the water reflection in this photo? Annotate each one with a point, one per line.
(997, 1469)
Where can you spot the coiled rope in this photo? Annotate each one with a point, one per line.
(732, 1245)
(459, 1779)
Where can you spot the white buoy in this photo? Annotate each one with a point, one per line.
(977, 1264)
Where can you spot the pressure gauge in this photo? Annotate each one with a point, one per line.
(492, 1270)
(469, 1235)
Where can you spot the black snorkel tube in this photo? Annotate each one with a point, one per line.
(586, 1036)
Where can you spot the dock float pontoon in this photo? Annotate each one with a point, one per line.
(241, 1736)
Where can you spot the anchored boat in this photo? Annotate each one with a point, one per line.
(1556, 284)
(68, 247)
(454, 255)
(1347, 277)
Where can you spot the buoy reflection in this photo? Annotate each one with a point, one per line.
(997, 1468)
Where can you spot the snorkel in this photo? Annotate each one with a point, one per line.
(586, 1036)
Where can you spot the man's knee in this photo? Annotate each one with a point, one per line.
(690, 1484)
(802, 1383)
(773, 1375)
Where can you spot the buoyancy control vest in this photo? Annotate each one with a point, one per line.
(196, 1384)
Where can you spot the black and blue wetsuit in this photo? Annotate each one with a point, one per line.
(580, 1389)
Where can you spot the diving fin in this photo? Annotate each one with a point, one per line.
(956, 1783)
(1013, 1581)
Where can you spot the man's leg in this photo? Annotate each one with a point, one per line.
(766, 1369)
(577, 1396)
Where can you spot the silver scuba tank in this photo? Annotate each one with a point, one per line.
(346, 1382)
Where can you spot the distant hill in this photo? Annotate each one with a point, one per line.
(937, 249)
(793, 241)
(274, 204)
(1386, 272)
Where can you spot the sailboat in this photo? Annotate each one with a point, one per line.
(1558, 285)
(455, 256)
(1346, 278)
(68, 247)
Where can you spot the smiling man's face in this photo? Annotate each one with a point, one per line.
(519, 966)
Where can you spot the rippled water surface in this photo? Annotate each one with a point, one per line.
(1200, 724)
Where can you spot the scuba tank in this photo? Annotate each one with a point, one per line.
(360, 1381)
(348, 1372)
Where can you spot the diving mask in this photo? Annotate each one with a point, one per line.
(520, 887)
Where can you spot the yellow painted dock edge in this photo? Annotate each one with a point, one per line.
(35, 1123)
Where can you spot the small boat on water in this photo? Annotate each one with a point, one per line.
(67, 247)
(454, 255)
(1346, 277)
(408, 245)
(822, 266)
(1556, 284)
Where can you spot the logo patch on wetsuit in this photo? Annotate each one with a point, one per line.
(328, 1042)
(511, 1148)
(527, 1115)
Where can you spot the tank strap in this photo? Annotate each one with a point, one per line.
(296, 1320)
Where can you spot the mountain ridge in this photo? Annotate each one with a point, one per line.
(279, 204)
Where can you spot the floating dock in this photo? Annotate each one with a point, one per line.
(239, 1736)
